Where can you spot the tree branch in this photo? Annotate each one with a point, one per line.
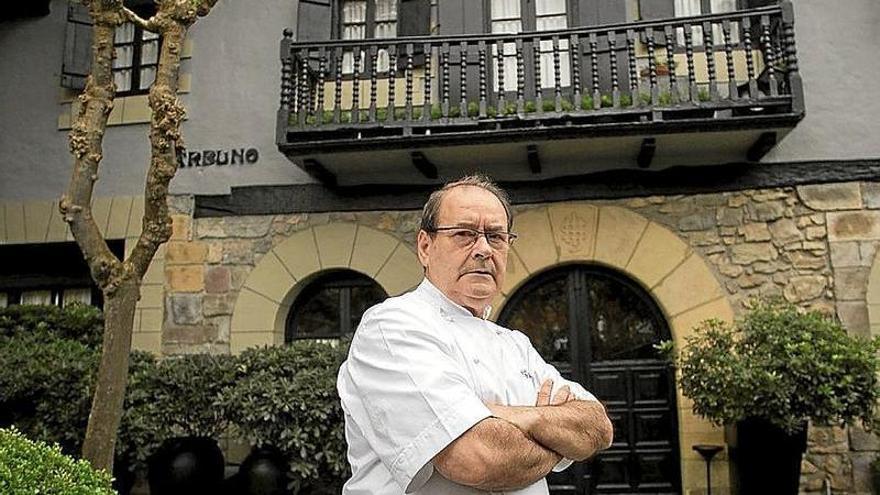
(86, 136)
(145, 24)
(165, 142)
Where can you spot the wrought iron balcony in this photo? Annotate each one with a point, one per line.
(683, 91)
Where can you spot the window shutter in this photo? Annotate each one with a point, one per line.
(656, 9)
(414, 18)
(595, 12)
(314, 20)
(77, 46)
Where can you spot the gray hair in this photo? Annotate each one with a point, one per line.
(432, 206)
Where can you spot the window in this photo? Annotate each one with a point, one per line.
(362, 19)
(506, 16)
(52, 273)
(137, 57)
(331, 306)
(688, 8)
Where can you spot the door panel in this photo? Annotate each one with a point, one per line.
(599, 328)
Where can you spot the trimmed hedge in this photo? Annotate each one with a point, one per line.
(28, 467)
(79, 322)
(286, 397)
(279, 396)
(46, 387)
(176, 397)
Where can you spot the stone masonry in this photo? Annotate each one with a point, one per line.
(813, 245)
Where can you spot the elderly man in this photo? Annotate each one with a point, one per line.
(439, 400)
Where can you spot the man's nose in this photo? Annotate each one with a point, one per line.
(482, 248)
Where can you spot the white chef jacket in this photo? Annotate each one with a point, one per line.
(419, 373)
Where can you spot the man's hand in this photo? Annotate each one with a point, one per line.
(525, 417)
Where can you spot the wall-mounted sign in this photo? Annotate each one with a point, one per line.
(219, 158)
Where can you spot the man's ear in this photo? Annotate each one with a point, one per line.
(423, 242)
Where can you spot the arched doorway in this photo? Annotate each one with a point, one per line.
(598, 328)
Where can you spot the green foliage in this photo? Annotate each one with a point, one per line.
(46, 387)
(28, 467)
(646, 98)
(436, 112)
(703, 95)
(286, 397)
(176, 397)
(665, 98)
(79, 322)
(473, 109)
(780, 364)
(626, 100)
(530, 107)
(548, 105)
(586, 102)
(606, 101)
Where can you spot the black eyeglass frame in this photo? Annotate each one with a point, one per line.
(485, 233)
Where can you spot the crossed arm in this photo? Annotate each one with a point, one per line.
(520, 444)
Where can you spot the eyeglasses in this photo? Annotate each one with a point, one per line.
(465, 237)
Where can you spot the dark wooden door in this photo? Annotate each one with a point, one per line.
(599, 328)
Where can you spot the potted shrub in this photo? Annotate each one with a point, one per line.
(172, 421)
(770, 373)
(35, 467)
(285, 398)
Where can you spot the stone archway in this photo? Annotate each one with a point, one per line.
(270, 288)
(674, 274)
(872, 297)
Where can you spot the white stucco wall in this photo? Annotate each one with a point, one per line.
(235, 90)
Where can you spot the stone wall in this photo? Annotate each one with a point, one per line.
(813, 245)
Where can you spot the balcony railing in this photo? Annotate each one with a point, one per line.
(737, 70)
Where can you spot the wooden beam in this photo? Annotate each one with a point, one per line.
(534, 159)
(646, 152)
(319, 172)
(765, 142)
(423, 165)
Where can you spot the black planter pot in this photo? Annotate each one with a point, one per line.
(184, 466)
(765, 459)
(263, 472)
(123, 478)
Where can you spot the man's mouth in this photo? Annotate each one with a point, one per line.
(480, 272)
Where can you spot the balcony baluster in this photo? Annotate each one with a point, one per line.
(356, 86)
(669, 34)
(574, 51)
(557, 74)
(499, 46)
(481, 47)
(631, 66)
(444, 63)
(652, 66)
(463, 55)
(429, 65)
(337, 89)
(689, 52)
(374, 78)
(769, 54)
(750, 59)
(322, 70)
(594, 71)
(539, 94)
(709, 44)
(728, 55)
(392, 76)
(615, 82)
(520, 79)
(409, 81)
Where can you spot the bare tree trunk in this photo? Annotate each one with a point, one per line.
(109, 395)
(120, 280)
